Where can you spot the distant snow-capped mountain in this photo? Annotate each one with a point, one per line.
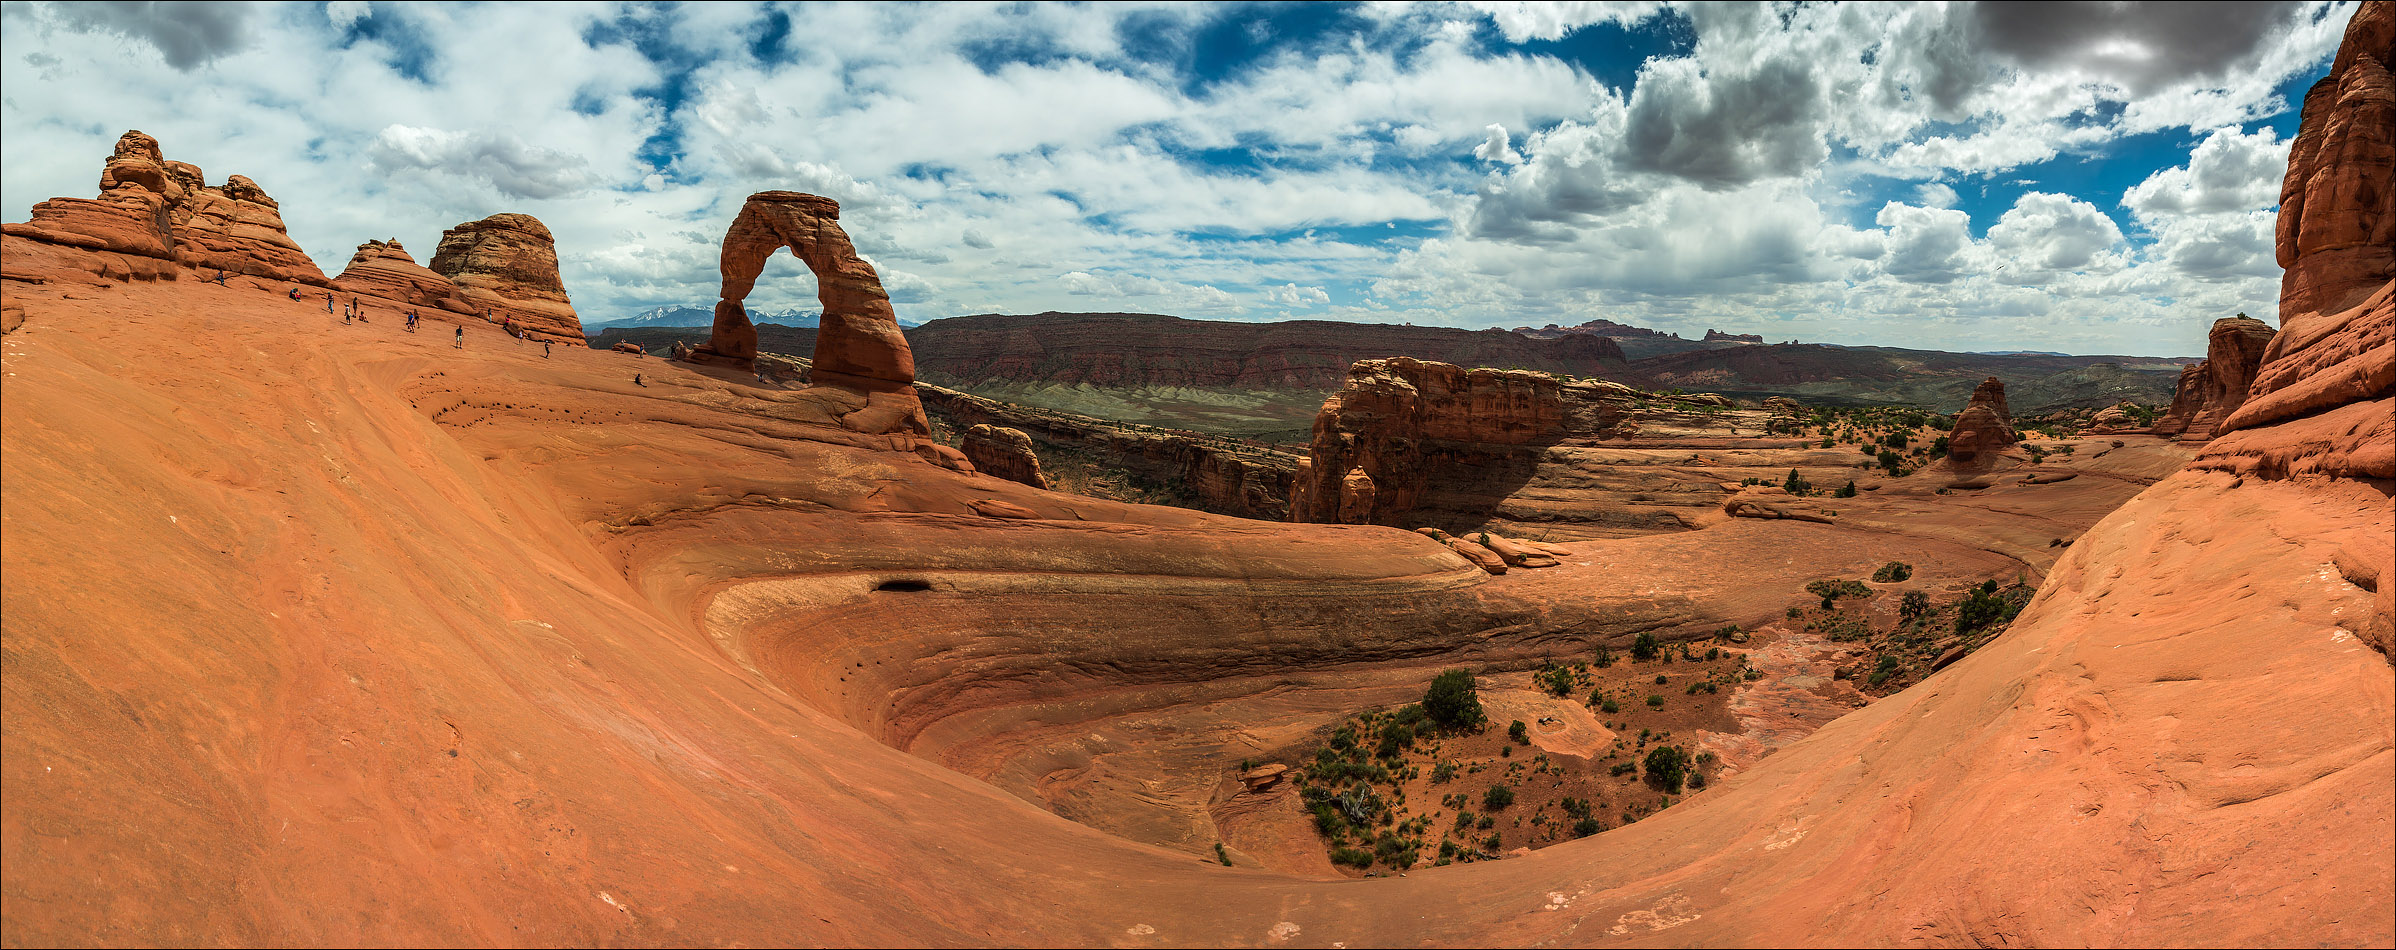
(678, 316)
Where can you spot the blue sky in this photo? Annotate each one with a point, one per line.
(2092, 178)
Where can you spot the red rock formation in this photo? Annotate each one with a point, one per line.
(2321, 403)
(1222, 475)
(505, 269)
(1716, 336)
(857, 344)
(155, 208)
(1003, 452)
(2113, 420)
(385, 269)
(1371, 456)
(629, 347)
(2337, 225)
(1983, 429)
(1774, 502)
(2216, 386)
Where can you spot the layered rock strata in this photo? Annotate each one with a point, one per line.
(385, 269)
(2323, 400)
(2213, 388)
(1004, 453)
(2337, 224)
(505, 270)
(150, 207)
(1399, 424)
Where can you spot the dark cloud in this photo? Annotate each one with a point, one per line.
(2143, 46)
(1726, 131)
(187, 34)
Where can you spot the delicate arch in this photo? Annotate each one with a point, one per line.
(858, 345)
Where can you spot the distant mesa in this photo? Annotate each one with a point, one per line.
(1605, 328)
(1716, 336)
(153, 209)
(505, 268)
(2214, 387)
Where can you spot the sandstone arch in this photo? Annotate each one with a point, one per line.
(858, 345)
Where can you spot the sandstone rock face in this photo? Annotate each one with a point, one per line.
(152, 207)
(1226, 477)
(1482, 557)
(1983, 429)
(1771, 502)
(1003, 452)
(858, 344)
(2337, 225)
(505, 268)
(2322, 401)
(2213, 389)
(1378, 441)
(385, 269)
(629, 347)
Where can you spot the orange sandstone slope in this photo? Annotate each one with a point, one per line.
(374, 639)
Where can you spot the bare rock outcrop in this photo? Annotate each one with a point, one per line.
(1378, 441)
(505, 269)
(858, 344)
(2113, 420)
(2337, 224)
(2323, 402)
(2329, 378)
(2215, 387)
(1983, 429)
(385, 269)
(1221, 475)
(150, 207)
(1003, 452)
(1775, 503)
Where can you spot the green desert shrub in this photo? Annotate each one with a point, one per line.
(1667, 768)
(1454, 701)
